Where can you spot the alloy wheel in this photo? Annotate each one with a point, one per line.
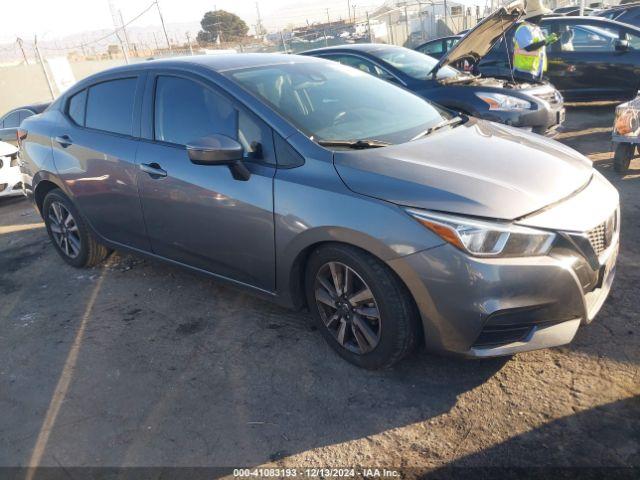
(64, 229)
(347, 307)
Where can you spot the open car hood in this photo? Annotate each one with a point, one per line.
(481, 38)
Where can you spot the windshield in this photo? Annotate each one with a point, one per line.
(329, 101)
(415, 64)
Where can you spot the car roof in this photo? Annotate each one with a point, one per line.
(216, 62)
(592, 19)
(34, 107)
(352, 47)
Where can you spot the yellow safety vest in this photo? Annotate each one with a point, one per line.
(529, 62)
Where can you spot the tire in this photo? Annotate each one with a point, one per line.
(81, 249)
(622, 157)
(366, 341)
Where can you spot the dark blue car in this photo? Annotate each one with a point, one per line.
(538, 107)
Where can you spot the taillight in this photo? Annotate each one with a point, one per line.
(21, 134)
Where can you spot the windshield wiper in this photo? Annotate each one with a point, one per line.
(354, 144)
(447, 123)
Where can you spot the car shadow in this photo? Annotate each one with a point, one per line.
(602, 442)
(150, 365)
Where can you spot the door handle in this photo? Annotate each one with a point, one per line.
(64, 140)
(153, 169)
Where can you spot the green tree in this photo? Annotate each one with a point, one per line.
(228, 26)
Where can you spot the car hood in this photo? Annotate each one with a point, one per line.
(480, 168)
(481, 38)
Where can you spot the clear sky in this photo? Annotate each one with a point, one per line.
(51, 19)
(56, 18)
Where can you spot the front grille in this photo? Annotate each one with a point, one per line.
(493, 335)
(551, 97)
(602, 235)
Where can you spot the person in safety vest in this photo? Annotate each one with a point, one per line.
(529, 44)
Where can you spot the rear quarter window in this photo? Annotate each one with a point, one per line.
(110, 106)
(76, 107)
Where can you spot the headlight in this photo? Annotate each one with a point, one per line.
(484, 238)
(498, 101)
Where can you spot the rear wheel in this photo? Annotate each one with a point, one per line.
(622, 157)
(360, 306)
(68, 232)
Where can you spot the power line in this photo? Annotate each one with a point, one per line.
(110, 34)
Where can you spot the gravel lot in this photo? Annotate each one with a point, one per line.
(136, 363)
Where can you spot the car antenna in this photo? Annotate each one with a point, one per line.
(506, 46)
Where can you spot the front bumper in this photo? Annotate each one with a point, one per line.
(544, 119)
(483, 307)
(10, 179)
(547, 114)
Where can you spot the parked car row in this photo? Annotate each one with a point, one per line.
(395, 221)
(11, 120)
(539, 107)
(594, 59)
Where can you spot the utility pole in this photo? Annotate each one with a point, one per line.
(124, 50)
(582, 2)
(445, 15)
(284, 45)
(164, 29)
(354, 13)
(369, 28)
(189, 43)
(406, 22)
(326, 42)
(156, 41)
(328, 20)
(349, 9)
(259, 25)
(44, 68)
(124, 30)
(24, 55)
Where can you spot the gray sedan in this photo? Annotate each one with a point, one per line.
(322, 187)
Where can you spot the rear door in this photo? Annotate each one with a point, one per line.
(200, 215)
(94, 150)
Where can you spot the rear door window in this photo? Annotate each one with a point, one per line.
(110, 106)
(25, 114)
(362, 65)
(436, 48)
(12, 120)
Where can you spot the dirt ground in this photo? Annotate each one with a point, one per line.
(137, 363)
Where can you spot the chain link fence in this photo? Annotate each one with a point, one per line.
(31, 78)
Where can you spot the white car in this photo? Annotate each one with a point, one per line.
(10, 176)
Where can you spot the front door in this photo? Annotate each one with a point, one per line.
(588, 62)
(199, 215)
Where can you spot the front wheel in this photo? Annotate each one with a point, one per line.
(68, 232)
(622, 157)
(360, 306)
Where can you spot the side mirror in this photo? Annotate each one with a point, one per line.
(622, 45)
(219, 150)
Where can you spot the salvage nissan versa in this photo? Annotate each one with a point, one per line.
(315, 184)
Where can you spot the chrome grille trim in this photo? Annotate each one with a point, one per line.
(601, 236)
